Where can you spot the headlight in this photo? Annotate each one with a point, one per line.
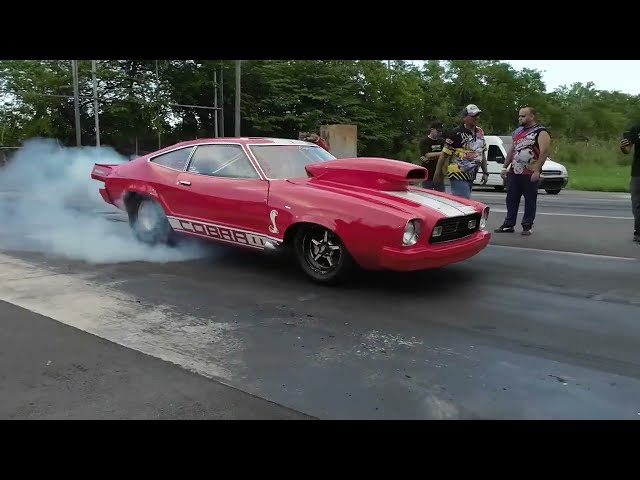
(485, 217)
(411, 232)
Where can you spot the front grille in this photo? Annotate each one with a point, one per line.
(551, 172)
(456, 228)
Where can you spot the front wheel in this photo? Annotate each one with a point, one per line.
(322, 255)
(552, 192)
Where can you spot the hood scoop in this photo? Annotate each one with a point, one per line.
(367, 172)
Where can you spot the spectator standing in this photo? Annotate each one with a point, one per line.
(318, 140)
(465, 151)
(531, 144)
(630, 142)
(430, 149)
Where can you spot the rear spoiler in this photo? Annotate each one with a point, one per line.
(102, 170)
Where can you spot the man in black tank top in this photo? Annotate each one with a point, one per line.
(430, 149)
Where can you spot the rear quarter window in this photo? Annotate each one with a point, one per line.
(176, 159)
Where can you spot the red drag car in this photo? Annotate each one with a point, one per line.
(268, 193)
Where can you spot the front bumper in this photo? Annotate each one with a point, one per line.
(422, 257)
(553, 183)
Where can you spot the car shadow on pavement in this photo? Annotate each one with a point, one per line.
(281, 270)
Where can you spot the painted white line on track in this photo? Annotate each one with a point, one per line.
(561, 252)
(555, 214)
(557, 199)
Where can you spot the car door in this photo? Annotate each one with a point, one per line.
(221, 188)
(163, 175)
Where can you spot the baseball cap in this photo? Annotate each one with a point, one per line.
(471, 109)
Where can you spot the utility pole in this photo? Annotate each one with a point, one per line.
(95, 101)
(157, 99)
(76, 101)
(221, 99)
(238, 98)
(215, 101)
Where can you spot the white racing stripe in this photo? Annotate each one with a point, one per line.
(448, 201)
(447, 207)
(562, 252)
(558, 199)
(553, 214)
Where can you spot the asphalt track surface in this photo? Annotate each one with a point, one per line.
(539, 327)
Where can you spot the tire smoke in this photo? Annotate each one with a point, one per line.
(50, 204)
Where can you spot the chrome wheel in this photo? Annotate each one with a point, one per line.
(322, 250)
(321, 254)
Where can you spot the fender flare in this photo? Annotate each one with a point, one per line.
(146, 191)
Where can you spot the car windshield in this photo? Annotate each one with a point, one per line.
(288, 161)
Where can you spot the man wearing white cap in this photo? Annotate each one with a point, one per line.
(466, 150)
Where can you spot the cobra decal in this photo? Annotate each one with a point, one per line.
(221, 233)
(273, 228)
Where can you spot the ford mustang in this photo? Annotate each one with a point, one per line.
(263, 193)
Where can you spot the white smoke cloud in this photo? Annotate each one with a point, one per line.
(50, 204)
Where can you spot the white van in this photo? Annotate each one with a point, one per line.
(553, 178)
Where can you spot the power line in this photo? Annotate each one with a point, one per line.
(193, 106)
(22, 92)
(112, 99)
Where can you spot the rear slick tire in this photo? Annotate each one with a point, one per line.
(149, 223)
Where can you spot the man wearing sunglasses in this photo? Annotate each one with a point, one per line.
(465, 150)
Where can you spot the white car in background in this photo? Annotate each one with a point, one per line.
(553, 178)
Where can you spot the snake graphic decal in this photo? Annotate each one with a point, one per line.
(273, 228)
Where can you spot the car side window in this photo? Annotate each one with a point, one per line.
(495, 154)
(228, 161)
(177, 159)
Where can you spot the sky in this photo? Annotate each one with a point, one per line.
(610, 75)
(605, 74)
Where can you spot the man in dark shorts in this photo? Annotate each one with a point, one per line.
(430, 149)
(631, 141)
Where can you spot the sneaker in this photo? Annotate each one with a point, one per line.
(504, 229)
(636, 238)
(526, 230)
